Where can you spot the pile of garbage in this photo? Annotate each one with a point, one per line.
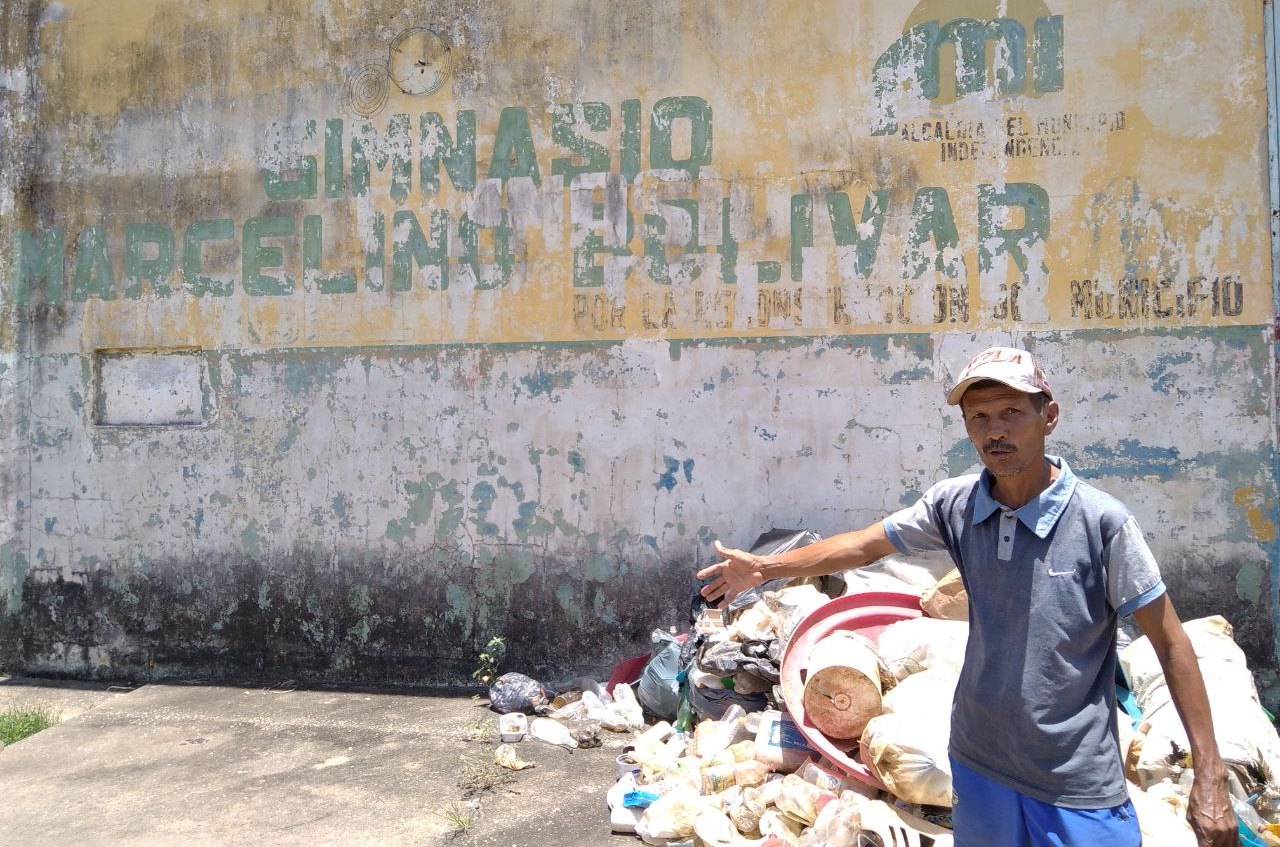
(739, 755)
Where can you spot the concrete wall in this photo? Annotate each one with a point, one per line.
(339, 337)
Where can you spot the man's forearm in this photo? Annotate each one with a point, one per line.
(837, 553)
(1186, 687)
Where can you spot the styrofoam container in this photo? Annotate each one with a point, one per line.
(512, 727)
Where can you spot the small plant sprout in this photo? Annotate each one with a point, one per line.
(487, 662)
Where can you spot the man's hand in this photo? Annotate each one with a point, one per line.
(738, 572)
(1209, 811)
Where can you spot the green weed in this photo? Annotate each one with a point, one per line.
(17, 723)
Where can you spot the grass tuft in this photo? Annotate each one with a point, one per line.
(17, 723)
(478, 776)
(481, 730)
(460, 816)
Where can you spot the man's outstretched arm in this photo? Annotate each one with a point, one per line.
(741, 570)
(1209, 808)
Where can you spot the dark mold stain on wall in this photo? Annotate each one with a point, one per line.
(307, 620)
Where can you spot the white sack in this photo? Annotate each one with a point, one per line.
(922, 644)
(1247, 740)
(909, 755)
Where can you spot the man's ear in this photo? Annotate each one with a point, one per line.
(1050, 413)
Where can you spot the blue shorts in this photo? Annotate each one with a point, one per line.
(987, 814)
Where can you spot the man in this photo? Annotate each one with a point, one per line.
(1050, 563)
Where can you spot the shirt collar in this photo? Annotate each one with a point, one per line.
(1042, 512)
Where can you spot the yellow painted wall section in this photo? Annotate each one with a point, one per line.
(665, 170)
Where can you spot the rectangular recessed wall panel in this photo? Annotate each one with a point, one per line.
(150, 388)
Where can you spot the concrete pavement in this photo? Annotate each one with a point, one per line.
(226, 765)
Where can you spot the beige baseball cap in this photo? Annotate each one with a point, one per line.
(1009, 365)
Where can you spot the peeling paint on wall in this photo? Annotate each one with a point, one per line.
(477, 339)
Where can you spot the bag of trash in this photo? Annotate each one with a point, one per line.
(909, 755)
(515, 692)
(628, 708)
(552, 732)
(920, 644)
(927, 695)
(1247, 740)
(800, 800)
(791, 605)
(1160, 822)
(671, 817)
(906, 574)
(712, 702)
(658, 689)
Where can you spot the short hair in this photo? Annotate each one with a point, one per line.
(1037, 399)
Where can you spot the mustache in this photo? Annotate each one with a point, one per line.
(999, 447)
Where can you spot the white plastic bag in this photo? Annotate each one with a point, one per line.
(1161, 824)
(927, 694)
(1247, 740)
(909, 755)
(552, 732)
(922, 644)
(628, 708)
(671, 817)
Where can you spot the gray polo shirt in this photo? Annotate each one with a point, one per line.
(1035, 706)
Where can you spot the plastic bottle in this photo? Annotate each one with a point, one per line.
(722, 777)
(684, 713)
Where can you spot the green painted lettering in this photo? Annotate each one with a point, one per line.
(586, 272)
(313, 276)
(196, 282)
(970, 38)
(409, 246)
(849, 233)
(766, 272)
(513, 153)
(629, 143)
(488, 275)
(301, 186)
(994, 241)
(655, 242)
(374, 242)
(39, 262)
(255, 257)
(458, 154)
(335, 172)
(932, 220)
(1048, 54)
(93, 277)
(394, 148)
(801, 232)
(665, 112)
(565, 121)
(138, 268)
(913, 57)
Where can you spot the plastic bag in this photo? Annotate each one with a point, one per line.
(927, 694)
(671, 817)
(922, 644)
(628, 708)
(1161, 824)
(658, 690)
(505, 755)
(552, 732)
(1247, 740)
(515, 692)
(909, 755)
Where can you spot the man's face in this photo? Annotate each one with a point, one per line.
(1006, 428)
